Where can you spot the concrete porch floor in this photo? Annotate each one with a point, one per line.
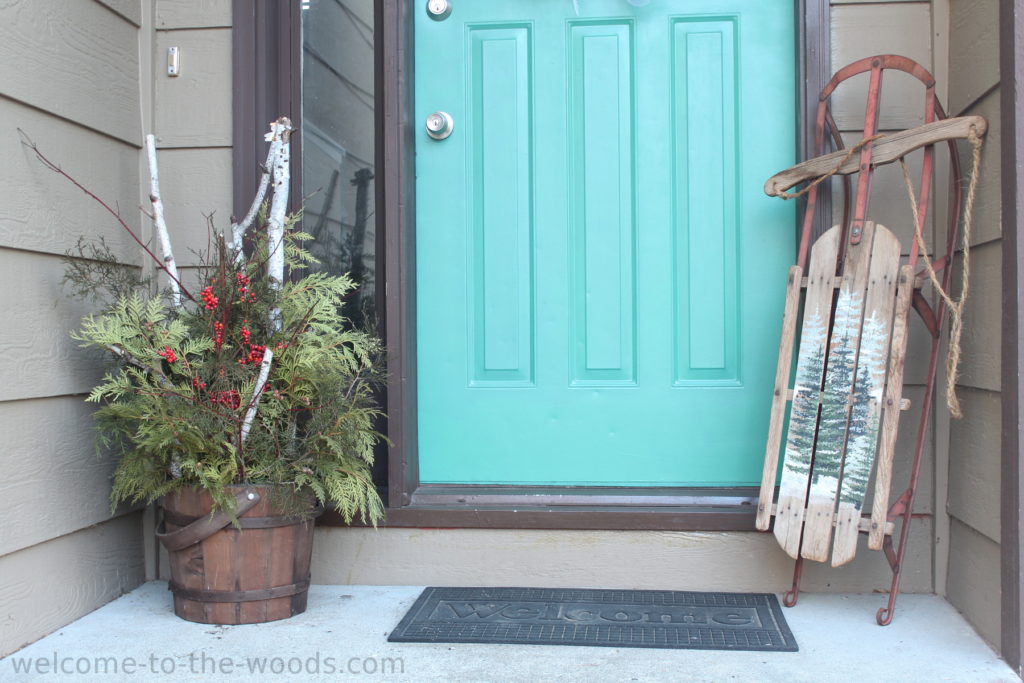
(344, 634)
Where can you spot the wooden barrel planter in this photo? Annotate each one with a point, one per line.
(224, 575)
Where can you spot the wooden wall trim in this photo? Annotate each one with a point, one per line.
(1011, 39)
(609, 518)
(814, 40)
(266, 83)
(399, 211)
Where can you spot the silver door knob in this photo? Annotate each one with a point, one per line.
(440, 125)
(438, 9)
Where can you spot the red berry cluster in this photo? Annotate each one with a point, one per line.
(255, 356)
(198, 384)
(167, 354)
(244, 293)
(209, 299)
(229, 399)
(281, 346)
(218, 335)
(256, 351)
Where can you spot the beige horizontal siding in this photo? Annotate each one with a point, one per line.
(51, 584)
(981, 362)
(193, 14)
(195, 183)
(595, 559)
(974, 51)
(82, 65)
(881, 28)
(40, 359)
(906, 440)
(194, 109)
(42, 211)
(129, 9)
(975, 462)
(54, 483)
(987, 208)
(974, 448)
(919, 349)
(974, 585)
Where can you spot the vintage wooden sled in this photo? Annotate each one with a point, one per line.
(845, 396)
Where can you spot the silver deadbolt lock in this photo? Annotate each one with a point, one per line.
(439, 10)
(440, 125)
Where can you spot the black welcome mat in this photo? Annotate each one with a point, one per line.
(609, 618)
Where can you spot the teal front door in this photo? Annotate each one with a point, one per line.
(599, 276)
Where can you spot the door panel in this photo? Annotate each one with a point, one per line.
(602, 218)
(599, 275)
(500, 200)
(704, 101)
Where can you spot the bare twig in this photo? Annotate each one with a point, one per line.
(27, 141)
(161, 224)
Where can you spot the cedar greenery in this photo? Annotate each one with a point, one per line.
(175, 405)
(259, 380)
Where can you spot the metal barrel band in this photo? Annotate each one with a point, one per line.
(245, 522)
(239, 596)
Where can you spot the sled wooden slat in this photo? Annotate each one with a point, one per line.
(890, 418)
(810, 368)
(869, 389)
(830, 445)
(780, 398)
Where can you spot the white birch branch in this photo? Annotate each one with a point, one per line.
(129, 358)
(261, 382)
(158, 220)
(239, 229)
(118, 351)
(279, 130)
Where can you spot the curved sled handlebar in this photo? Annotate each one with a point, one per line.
(885, 150)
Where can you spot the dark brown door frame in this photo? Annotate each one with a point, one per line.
(413, 504)
(1011, 69)
(267, 54)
